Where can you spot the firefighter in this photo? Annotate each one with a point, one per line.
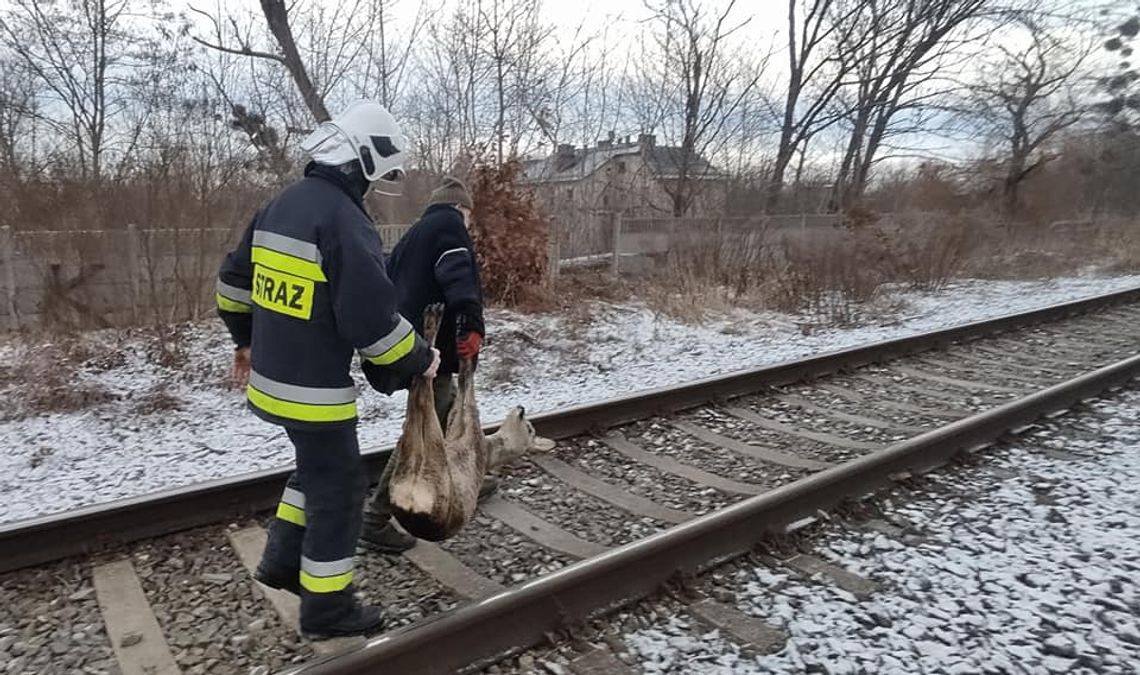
(435, 263)
(303, 292)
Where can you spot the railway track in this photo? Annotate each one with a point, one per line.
(637, 490)
(959, 571)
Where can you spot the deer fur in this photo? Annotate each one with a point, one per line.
(435, 483)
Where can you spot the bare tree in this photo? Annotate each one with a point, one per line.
(277, 18)
(18, 113)
(897, 53)
(703, 82)
(596, 91)
(551, 89)
(77, 50)
(444, 107)
(257, 93)
(1027, 98)
(514, 36)
(18, 109)
(816, 72)
(389, 48)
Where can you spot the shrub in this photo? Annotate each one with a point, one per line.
(510, 233)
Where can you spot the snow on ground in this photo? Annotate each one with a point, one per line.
(1038, 573)
(167, 426)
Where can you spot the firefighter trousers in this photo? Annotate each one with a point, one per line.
(314, 533)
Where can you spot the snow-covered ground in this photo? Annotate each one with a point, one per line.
(1027, 564)
(156, 426)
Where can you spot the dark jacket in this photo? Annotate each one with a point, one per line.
(306, 288)
(435, 263)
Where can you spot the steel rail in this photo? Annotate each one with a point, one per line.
(523, 616)
(84, 530)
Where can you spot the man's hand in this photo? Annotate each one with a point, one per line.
(468, 345)
(468, 334)
(434, 367)
(239, 375)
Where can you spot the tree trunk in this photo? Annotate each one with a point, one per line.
(780, 168)
(501, 121)
(277, 15)
(850, 161)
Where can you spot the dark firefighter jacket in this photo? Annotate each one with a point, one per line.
(306, 288)
(435, 263)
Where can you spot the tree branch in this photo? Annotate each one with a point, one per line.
(240, 51)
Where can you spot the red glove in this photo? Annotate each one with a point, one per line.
(468, 345)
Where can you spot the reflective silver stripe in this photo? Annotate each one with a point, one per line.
(288, 245)
(447, 253)
(403, 327)
(298, 394)
(233, 293)
(326, 569)
(293, 498)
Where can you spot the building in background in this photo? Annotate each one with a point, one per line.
(636, 178)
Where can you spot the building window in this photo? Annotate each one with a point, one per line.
(621, 167)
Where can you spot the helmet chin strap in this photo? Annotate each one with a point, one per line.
(387, 188)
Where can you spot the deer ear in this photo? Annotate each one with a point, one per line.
(542, 444)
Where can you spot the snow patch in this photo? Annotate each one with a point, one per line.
(114, 450)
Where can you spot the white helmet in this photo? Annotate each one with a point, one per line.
(365, 132)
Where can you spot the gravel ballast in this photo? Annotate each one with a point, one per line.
(578, 513)
(595, 458)
(205, 602)
(51, 623)
(406, 593)
(1025, 563)
(743, 430)
(499, 553)
(666, 440)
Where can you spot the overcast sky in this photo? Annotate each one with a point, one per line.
(622, 20)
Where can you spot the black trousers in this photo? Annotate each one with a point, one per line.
(318, 521)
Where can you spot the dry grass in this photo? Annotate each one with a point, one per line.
(838, 276)
(45, 372)
(42, 378)
(166, 345)
(157, 400)
(1034, 251)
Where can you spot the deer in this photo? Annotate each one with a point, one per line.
(435, 478)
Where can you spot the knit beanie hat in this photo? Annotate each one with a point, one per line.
(452, 191)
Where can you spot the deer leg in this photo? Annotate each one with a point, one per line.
(433, 316)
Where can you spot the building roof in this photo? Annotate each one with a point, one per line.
(571, 164)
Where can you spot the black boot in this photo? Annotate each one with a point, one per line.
(332, 615)
(488, 489)
(383, 537)
(279, 578)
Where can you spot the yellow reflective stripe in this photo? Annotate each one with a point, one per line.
(306, 269)
(403, 327)
(325, 584)
(227, 305)
(291, 514)
(397, 352)
(303, 412)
